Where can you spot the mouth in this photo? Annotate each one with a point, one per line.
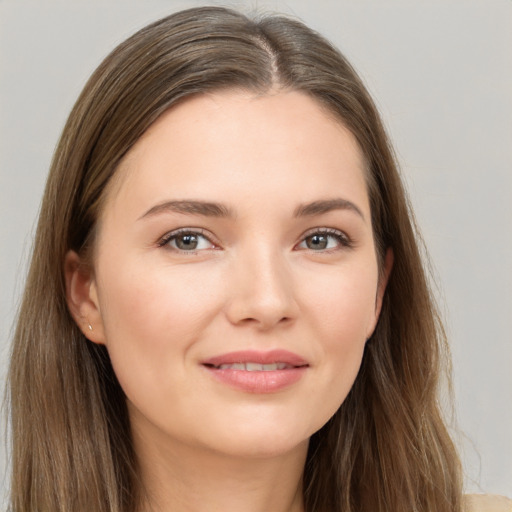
(256, 361)
(257, 372)
(253, 367)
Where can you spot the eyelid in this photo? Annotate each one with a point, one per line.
(344, 240)
(165, 239)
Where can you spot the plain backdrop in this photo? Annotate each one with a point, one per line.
(441, 74)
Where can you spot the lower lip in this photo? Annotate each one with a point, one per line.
(260, 382)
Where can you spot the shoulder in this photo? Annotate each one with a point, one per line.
(486, 503)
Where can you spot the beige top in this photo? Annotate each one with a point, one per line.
(487, 503)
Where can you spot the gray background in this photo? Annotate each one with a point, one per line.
(441, 73)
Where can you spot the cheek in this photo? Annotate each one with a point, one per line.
(152, 318)
(344, 313)
(161, 301)
(345, 302)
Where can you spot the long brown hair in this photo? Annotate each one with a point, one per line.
(385, 449)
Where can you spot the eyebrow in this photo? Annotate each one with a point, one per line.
(192, 207)
(211, 209)
(326, 206)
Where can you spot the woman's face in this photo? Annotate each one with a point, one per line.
(235, 274)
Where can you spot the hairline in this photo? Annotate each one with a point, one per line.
(121, 171)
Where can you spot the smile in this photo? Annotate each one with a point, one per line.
(257, 372)
(255, 367)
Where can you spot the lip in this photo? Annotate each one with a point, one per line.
(259, 382)
(256, 356)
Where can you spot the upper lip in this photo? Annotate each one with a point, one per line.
(256, 356)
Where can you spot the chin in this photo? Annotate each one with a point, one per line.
(265, 446)
(259, 439)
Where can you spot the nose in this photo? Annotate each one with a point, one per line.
(261, 291)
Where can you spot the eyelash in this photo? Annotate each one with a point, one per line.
(343, 240)
(173, 235)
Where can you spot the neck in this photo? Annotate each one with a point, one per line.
(187, 479)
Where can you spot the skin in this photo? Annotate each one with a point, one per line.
(256, 280)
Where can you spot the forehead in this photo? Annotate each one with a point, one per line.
(284, 139)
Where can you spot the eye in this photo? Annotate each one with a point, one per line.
(186, 240)
(325, 240)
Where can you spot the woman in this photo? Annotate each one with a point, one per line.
(226, 307)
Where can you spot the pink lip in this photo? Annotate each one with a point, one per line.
(257, 381)
(255, 356)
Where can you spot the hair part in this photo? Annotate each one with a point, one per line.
(386, 448)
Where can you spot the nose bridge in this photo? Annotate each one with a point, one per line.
(262, 290)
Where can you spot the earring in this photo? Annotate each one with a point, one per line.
(90, 326)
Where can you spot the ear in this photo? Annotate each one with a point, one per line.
(82, 297)
(381, 288)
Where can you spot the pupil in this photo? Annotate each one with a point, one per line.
(187, 242)
(317, 242)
